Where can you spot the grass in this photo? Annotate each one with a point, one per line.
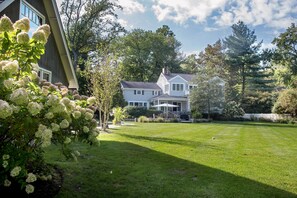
(185, 160)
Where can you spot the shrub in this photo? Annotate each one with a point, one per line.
(135, 112)
(232, 110)
(34, 114)
(119, 114)
(159, 119)
(143, 119)
(286, 103)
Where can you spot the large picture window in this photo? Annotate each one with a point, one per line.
(36, 18)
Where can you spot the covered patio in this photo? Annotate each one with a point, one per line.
(181, 104)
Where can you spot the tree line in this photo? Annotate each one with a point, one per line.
(253, 77)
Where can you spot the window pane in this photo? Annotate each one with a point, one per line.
(131, 103)
(142, 92)
(46, 76)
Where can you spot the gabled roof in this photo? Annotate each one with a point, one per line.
(139, 85)
(57, 30)
(187, 77)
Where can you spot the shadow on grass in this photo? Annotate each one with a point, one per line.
(120, 169)
(260, 124)
(189, 143)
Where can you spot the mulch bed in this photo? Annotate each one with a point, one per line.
(44, 189)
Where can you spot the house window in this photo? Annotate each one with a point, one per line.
(35, 17)
(138, 104)
(134, 92)
(45, 74)
(177, 87)
(155, 93)
(138, 92)
(142, 92)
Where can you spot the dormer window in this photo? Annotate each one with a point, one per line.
(177, 87)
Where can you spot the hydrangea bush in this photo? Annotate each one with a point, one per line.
(35, 114)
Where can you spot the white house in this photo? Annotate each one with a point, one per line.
(172, 88)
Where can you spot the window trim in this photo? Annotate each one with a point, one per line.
(42, 71)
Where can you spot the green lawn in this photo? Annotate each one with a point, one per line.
(185, 160)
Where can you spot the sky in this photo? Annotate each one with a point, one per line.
(197, 23)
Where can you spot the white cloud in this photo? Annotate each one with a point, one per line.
(267, 46)
(181, 11)
(125, 23)
(272, 13)
(131, 6)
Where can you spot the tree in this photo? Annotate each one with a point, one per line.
(104, 76)
(286, 56)
(242, 53)
(208, 97)
(286, 102)
(232, 110)
(143, 53)
(88, 23)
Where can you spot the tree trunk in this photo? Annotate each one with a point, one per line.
(243, 84)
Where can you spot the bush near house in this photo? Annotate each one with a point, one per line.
(34, 114)
(135, 112)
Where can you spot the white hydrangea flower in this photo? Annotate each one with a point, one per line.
(7, 183)
(39, 36)
(5, 109)
(46, 29)
(5, 24)
(29, 188)
(52, 100)
(5, 157)
(34, 75)
(86, 129)
(11, 67)
(55, 127)
(8, 83)
(65, 101)
(88, 116)
(23, 38)
(70, 106)
(67, 140)
(64, 124)
(49, 115)
(47, 134)
(34, 108)
(45, 90)
(19, 96)
(22, 24)
(91, 100)
(15, 171)
(76, 114)
(5, 163)
(31, 178)
(46, 143)
(58, 108)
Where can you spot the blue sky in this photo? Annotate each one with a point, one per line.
(197, 23)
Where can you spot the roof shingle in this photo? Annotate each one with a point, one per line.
(139, 85)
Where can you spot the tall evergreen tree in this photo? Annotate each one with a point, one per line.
(242, 55)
